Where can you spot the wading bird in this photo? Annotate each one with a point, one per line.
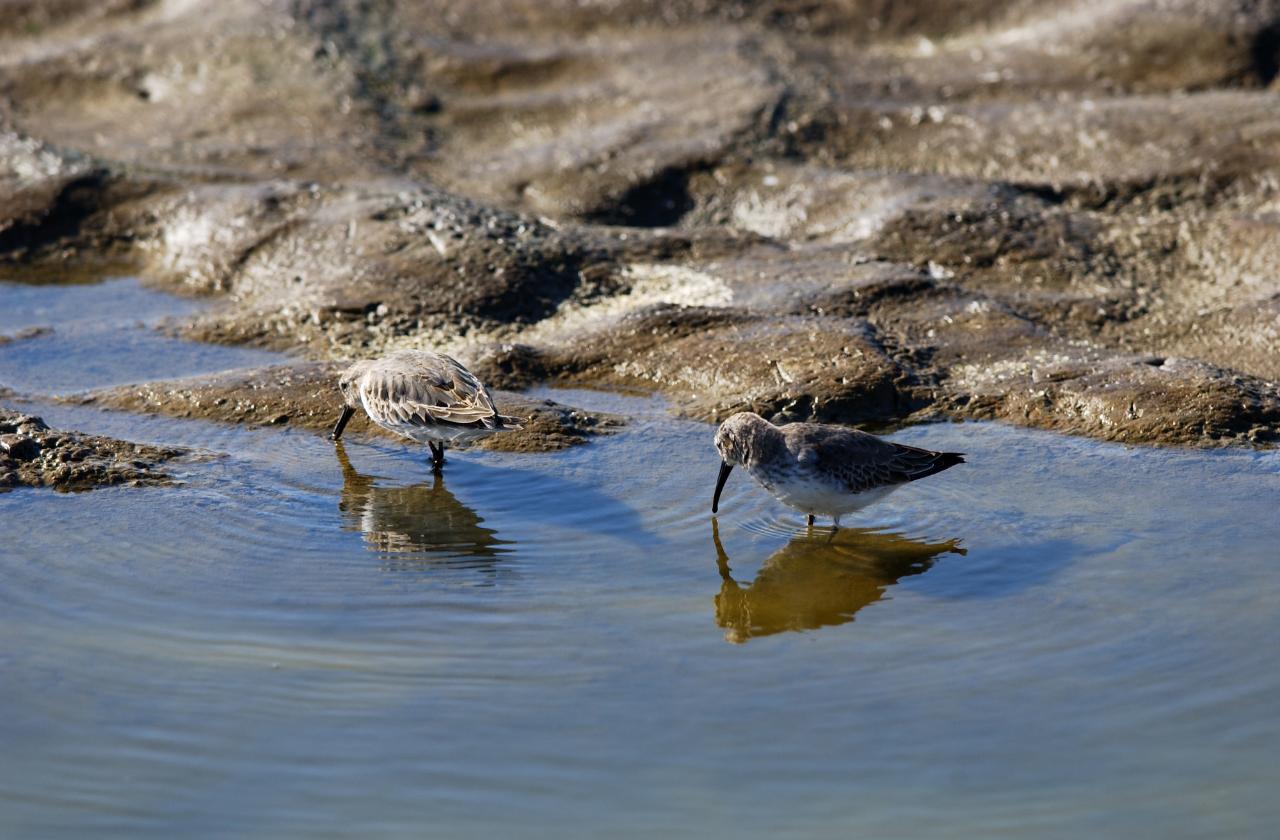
(821, 470)
(423, 396)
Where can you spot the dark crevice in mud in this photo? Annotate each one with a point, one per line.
(513, 366)
(34, 17)
(1047, 193)
(859, 301)
(883, 406)
(677, 321)
(540, 291)
(661, 201)
(74, 203)
(778, 113)
(1160, 193)
(1265, 52)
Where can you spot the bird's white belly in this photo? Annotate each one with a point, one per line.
(438, 434)
(447, 434)
(811, 495)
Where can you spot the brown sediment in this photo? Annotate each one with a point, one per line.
(25, 334)
(1129, 400)
(832, 369)
(305, 396)
(33, 455)
(854, 211)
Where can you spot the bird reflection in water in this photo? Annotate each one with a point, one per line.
(811, 583)
(418, 526)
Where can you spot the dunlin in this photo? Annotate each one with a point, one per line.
(821, 470)
(423, 396)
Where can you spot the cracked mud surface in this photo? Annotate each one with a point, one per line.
(1059, 215)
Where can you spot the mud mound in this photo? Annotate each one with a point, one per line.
(305, 396)
(33, 455)
(853, 210)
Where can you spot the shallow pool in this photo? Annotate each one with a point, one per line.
(1060, 638)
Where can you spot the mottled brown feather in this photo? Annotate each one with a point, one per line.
(418, 388)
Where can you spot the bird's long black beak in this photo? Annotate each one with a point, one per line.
(347, 411)
(725, 469)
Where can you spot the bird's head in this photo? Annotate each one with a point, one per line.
(738, 440)
(348, 386)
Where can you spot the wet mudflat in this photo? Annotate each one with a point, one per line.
(1064, 636)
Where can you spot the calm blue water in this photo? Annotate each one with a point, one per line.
(1061, 638)
(102, 334)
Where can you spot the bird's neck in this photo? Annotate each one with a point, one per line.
(762, 446)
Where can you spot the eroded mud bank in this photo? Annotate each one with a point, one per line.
(303, 396)
(1064, 216)
(33, 455)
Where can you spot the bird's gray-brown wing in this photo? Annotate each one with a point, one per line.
(408, 389)
(861, 461)
(475, 399)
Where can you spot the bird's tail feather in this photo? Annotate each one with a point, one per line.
(944, 461)
(509, 424)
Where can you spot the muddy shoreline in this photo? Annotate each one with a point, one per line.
(302, 396)
(34, 455)
(1059, 217)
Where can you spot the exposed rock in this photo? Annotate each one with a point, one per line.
(33, 455)
(1141, 400)
(25, 334)
(305, 396)
(713, 362)
(863, 211)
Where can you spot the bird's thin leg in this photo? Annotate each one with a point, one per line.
(437, 455)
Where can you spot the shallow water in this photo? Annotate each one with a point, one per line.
(1060, 638)
(101, 334)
